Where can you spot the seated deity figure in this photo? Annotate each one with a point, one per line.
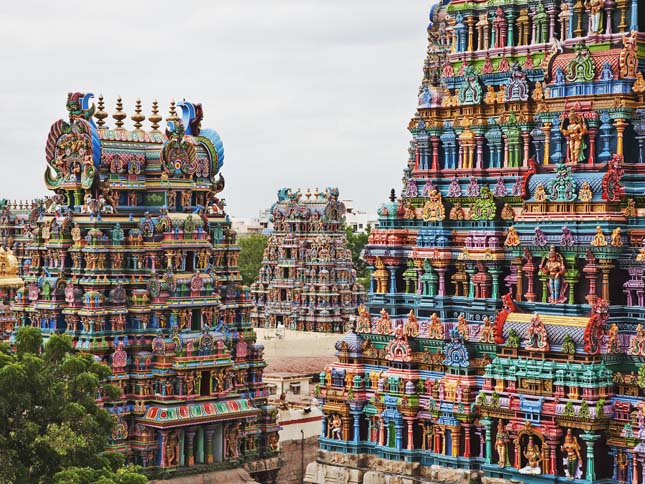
(533, 458)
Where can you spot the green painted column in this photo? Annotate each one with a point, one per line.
(495, 272)
(590, 439)
(199, 454)
(510, 18)
(181, 449)
(471, 284)
(486, 422)
(545, 286)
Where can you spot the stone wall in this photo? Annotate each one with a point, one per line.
(291, 471)
(369, 469)
(232, 476)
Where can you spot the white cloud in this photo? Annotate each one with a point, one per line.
(303, 92)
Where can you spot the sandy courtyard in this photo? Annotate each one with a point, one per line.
(298, 351)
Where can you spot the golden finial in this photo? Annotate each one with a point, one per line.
(316, 192)
(137, 117)
(155, 118)
(101, 114)
(119, 115)
(308, 194)
(173, 113)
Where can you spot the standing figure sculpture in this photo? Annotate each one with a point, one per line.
(572, 460)
(553, 266)
(336, 428)
(575, 133)
(501, 444)
(594, 7)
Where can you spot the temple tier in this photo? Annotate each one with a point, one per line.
(501, 337)
(307, 281)
(134, 258)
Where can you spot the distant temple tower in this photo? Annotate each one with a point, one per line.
(307, 280)
(134, 258)
(502, 339)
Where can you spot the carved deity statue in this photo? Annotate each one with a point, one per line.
(412, 325)
(575, 132)
(572, 459)
(336, 427)
(501, 444)
(512, 238)
(172, 449)
(380, 276)
(553, 266)
(537, 337)
(533, 458)
(487, 331)
(435, 331)
(599, 239)
(462, 327)
(594, 8)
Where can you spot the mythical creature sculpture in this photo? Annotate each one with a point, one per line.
(596, 326)
(628, 60)
(484, 208)
(433, 210)
(612, 184)
(581, 67)
(562, 188)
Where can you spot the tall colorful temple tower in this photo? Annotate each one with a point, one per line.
(502, 336)
(307, 281)
(134, 257)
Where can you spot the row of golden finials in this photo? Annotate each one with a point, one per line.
(155, 118)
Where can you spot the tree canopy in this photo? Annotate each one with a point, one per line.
(51, 428)
(250, 261)
(355, 243)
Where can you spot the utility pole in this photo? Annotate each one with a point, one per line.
(302, 456)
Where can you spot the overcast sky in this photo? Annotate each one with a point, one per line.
(304, 93)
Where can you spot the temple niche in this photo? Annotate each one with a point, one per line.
(133, 256)
(307, 281)
(514, 255)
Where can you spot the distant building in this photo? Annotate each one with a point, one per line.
(357, 220)
(248, 226)
(307, 281)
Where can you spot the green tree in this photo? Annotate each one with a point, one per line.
(251, 252)
(355, 243)
(51, 428)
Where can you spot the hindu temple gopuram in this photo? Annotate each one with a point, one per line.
(307, 281)
(502, 340)
(134, 257)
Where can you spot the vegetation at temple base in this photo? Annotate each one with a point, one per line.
(51, 428)
(355, 243)
(250, 261)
